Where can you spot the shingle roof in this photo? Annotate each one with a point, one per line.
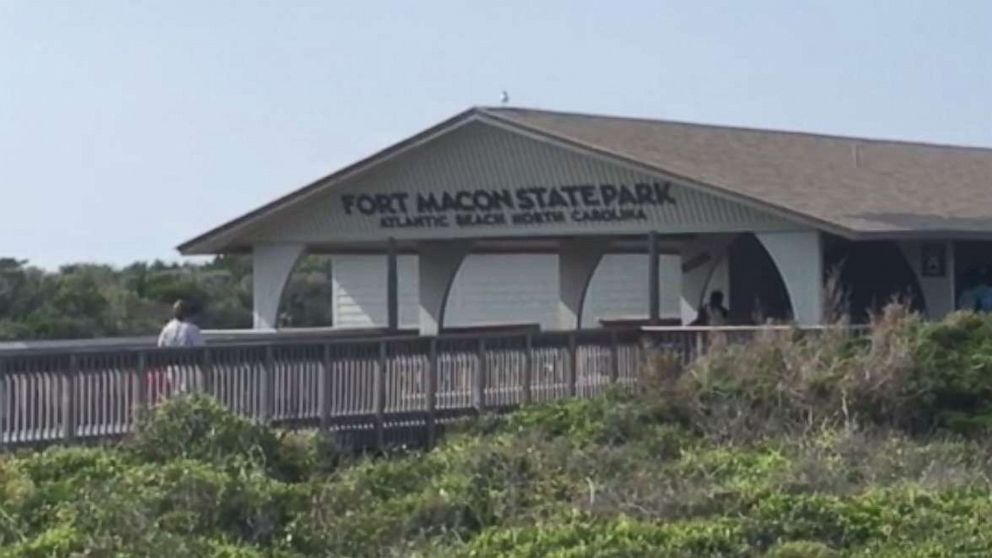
(853, 186)
(862, 186)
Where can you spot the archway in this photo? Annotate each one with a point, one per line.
(870, 275)
(757, 292)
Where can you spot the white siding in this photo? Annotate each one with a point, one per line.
(619, 288)
(495, 289)
(359, 286)
(492, 289)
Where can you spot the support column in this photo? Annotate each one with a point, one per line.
(392, 288)
(654, 281)
(577, 261)
(704, 267)
(937, 285)
(799, 258)
(271, 266)
(438, 263)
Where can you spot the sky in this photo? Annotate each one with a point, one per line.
(128, 127)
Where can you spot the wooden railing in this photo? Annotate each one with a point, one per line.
(62, 396)
(374, 384)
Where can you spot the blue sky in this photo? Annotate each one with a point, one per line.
(127, 127)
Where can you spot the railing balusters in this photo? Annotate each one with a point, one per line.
(379, 387)
(572, 365)
(324, 395)
(69, 417)
(47, 396)
(268, 386)
(480, 377)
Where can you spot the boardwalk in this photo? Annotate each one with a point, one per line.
(373, 384)
(83, 394)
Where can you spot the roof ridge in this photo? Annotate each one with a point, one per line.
(496, 111)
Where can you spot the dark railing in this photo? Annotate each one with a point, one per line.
(371, 384)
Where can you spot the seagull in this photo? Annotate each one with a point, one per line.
(505, 97)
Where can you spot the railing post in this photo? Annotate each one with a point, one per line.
(380, 396)
(70, 420)
(432, 394)
(324, 394)
(4, 416)
(573, 365)
(701, 339)
(528, 368)
(480, 378)
(614, 357)
(141, 385)
(268, 385)
(207, 372)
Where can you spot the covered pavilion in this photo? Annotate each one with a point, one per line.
(790, 226)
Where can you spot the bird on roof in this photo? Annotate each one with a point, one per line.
(505, 97)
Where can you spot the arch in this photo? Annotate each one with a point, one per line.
(577, 262)
(871, 274)
(702, 260)
(271, 266)
(798, 256)
(757, 290)
(307, 298)
(438, 264)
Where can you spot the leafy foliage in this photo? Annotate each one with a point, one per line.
(88, 300)
(790, 447)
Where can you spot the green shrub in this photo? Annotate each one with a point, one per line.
(197, 427)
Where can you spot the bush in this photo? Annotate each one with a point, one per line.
(794, 445)
(197, 427)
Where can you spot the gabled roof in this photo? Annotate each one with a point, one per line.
(852, 186)
(862, 186)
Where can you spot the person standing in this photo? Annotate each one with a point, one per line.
(179, 332)
(713, 313)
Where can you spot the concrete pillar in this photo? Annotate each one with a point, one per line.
(271, 266)
(577, 261)
(438, 263)
(939, 296)
(704, 269)
(799, 258)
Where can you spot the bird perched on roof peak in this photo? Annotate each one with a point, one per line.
(504, 98)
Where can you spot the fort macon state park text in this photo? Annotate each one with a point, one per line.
(520, 206)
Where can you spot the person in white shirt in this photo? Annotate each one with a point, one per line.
(179, 332)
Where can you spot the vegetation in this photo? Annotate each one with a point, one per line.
(84, 301)
(793, 446)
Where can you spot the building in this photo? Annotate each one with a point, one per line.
(507, 215)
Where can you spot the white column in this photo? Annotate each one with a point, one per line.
(704, 267)
(438, 263)
(939, 297)
(577, 261)
(271, 266)
(799, 258)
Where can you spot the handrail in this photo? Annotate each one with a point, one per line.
(297, 341)
(66, 395)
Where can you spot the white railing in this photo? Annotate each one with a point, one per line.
(372, 384)
(93, 393)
